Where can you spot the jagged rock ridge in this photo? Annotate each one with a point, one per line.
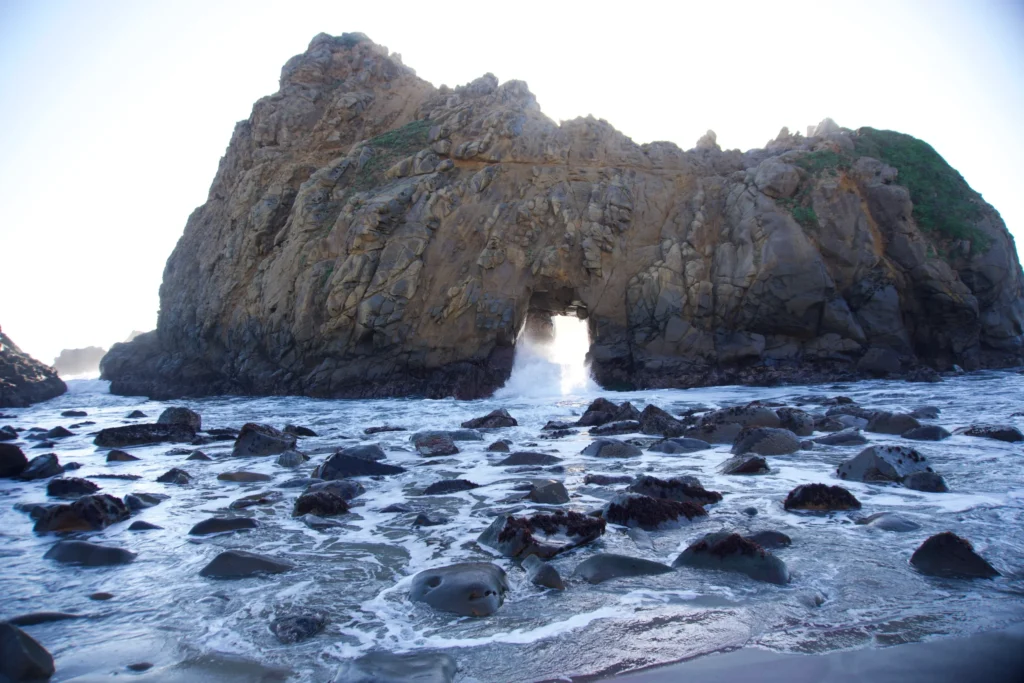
(23, 379)
(368, 234)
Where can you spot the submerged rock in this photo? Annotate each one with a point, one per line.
(142, 525)
(64, 487)
(500, 446)
(298, 430)
(424, 519)
(765, 441)
(365, 452)
(821, 498)
(540, 573)
(23, 658)
(218, 525)
(243, 477)
(295, 629)
(770, 540)
(606, 566)
(434, 444)
(262, 498)
(120, 456)
(927, 433)
(42, 467)
(176, 476)
(889, 521)
(998, 432)
(745, 464)
(382, 428)
(385, 667)
(607, 479)
(88, 513)
(88, 554)
(141, 501)
(528, 458)
(849, 436)
(948, 555)
(142, 434)
(681, 489)
(891, 423)
(519, 536)
(258, 440)
(611, 448)
(616, 428)
(731, 552)
(679, 445)
(440, 488)
(340, 466)
(495, 419)
(930, 482)
(471, 589)
(650, 514)
(240, 564)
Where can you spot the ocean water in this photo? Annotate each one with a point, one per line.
(852, 585)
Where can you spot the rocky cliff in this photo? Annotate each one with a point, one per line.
(368, 234)
(23, 379)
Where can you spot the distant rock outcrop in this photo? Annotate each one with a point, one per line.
(23, 379)
(368, 234)
(79, 361)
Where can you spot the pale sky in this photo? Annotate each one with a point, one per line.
(115, 114)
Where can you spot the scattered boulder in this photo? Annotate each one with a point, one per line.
(294, 629)
(396, 508)
(499, 447)
(528, 458)
(141, 434)
(495, 419)
(950, 556)
(12, 461)
(471, 589)
(257, 440)
(74, 413)
(140, 525)
(679, 445)
(176, 476)
(606, 566)
(745, 464)
(219, 525)
(681, 489)
(424, 519)
(23, 659)
(850, 436)
(135, 415)
(240, 564)
(616, 428)
(611, 448)
(345, 488)
(795, 420)
(120, 456)
(891, 423)
(929, 482)
(770, 540)
(434, 444)
(243, 477)
(7, 433)
(384, 428)
(548, 492)
(365, 452)
(602, 411)
(821, 498)
(925, 413)
(828, 424)
(291, 459)
(607, 479)
(997, 432)
(88, 513)
(448, 486)
(557, 426)
(262, 498)
(889, 521)
(540, 573)
(66, 487)
(340, 466)
(654, 420)
(140, 501)
(765, 441)
(723, 426)
(42, 467)
(181, 416)
(650, 514)
(517, 536)
(321, 503)
(88, 554)
(385, 667)
(296, 430)
(926, 433)
(59, 433)
(883, 463)
(732, 553)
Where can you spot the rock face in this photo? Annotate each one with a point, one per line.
(368, 234)
(23, 379)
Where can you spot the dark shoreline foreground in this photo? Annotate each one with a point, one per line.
(990, 657)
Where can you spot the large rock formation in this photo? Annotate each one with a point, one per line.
(79, 361)
(23, 379)
(368, 234)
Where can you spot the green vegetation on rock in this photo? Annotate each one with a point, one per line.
(388, 149)
(945, 206)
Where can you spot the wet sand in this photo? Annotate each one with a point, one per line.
(992, 657)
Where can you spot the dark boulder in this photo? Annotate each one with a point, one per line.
(198, 455)
(679, 445)
(385, 667)
(650, 514)
(366, 452)
(140, 525)
(470, 589)
(340, 466)
(770, 540)
(654, 420)
(434, 444)
(258, 440)
(135, 415)
(765, 441)
(141, 501)
(219, 525)
(891, 423)
(925, 412)
(424, 519)
(7, 433)
(997, 432)
(67, 487)
(296, 430)
(240, 564)
(850, 436)
(795, 420)
(548, 492)
(883, 463)
(345, 488)
(383, 428)
(12, 461)
(557, 426)
(611, 448)
(59, 433)
(21, 657)
(176, 476)
(930, 482)
(74, 413)
(889, 521)
(500, 446)
(723, 426)
(88, 513)
(448, 486)
(262, 498)
(602, 411)
(181, 416)
(926, 433)
(243, 477)
(561, 531)
(745, 464)
(616, 428)
(294, 629)
(323, 503)
(528, 458)
(950, 556)
(42, 467)
(120, 456)
(141, 434)
(606, 566)
(821, 498)
(495, 419)
(396, 508)
(88, 554)
(681, 489)
(607, 479)
(540, 573)
(823, 423)
(732, 553)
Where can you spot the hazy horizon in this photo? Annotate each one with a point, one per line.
(119, 112)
